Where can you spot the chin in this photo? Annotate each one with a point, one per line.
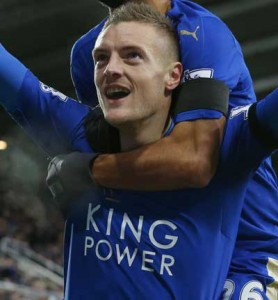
(119, 117)
(116, 120)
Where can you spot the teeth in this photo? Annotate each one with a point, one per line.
(116, 90)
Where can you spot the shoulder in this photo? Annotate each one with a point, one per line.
(87, 41)
(192, 18)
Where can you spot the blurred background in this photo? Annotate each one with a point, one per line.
(41, 34)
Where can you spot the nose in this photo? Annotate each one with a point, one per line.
(114, 67)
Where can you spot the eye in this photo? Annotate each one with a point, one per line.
(133, 55)
(100, 57)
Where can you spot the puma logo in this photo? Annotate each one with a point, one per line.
(193, 33)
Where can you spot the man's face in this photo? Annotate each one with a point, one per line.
(131, 72)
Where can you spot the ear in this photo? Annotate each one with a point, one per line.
(174, 76)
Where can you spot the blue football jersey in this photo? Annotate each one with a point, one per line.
(162, 245)
(209, 49)
(54, 121)
(133, 245)
(82, 66)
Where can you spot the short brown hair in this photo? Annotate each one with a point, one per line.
(136, 11)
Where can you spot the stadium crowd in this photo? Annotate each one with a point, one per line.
(45, 238)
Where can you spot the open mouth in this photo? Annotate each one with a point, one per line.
(116, 93)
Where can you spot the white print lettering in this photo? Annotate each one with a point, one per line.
(47, 89)
(240, 110)
(197, 73)
(127, 239)
(251, 290)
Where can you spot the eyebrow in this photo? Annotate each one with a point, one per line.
(133, 47)
(123, 48)
(96, 50)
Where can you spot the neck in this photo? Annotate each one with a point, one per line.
(133, 135)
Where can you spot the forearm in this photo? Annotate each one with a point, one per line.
(186, 159)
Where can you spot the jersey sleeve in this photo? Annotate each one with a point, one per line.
(82, 66)
(54, 121)
(209, 50)
(12, 74)
(213, 53)
(263, 119)
(243, 148)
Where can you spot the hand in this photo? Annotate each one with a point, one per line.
(70, 173)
